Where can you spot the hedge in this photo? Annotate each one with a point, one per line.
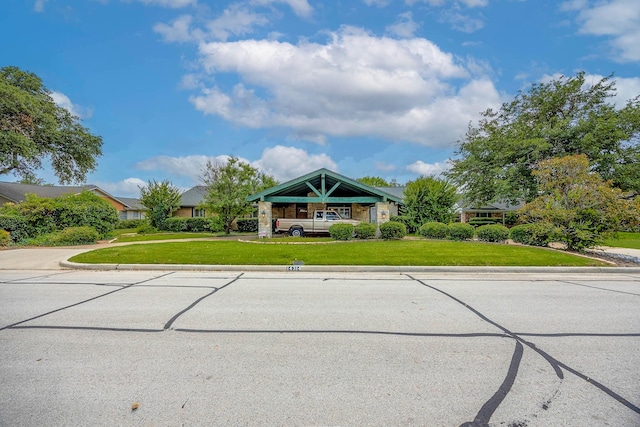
(342, 231)
(392, 230)
(130, 223)
(192, 225)
(493, 233)
(70, 236)
(247, 225)
(434, 230)
(16, 226)
(410, 227)
(461, 231)
(365, 230)
(534, 234)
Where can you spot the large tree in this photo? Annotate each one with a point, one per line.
(228, 185)
(33, 128)
(373, 181)
(577, 204)
(565, 116)
(429, 199)
(161, 200)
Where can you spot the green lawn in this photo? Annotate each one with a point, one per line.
(124, 238)
(624, 240)
(394, 253)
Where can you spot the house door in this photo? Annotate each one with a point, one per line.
(373, 215)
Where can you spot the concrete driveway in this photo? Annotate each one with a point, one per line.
(296, 348)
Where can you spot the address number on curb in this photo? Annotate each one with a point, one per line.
(293, 268)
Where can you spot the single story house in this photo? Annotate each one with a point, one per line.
(191, 203)
(14, 192)
(490, 210)
(323, 189)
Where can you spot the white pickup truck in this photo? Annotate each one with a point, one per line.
(320, 223)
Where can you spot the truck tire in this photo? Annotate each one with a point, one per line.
(296, 232)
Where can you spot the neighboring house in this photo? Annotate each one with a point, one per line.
(191, 203)
(491, 210)
(14, 192)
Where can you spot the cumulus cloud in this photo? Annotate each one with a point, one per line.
(627, 88)
(63, 101)
(129, 187)
(178, 31)
(619, 20)
(236, 20)
(301, 8)
(186, 166)
(405, 26)
(425, 169)
(356, 84)
(286, 163)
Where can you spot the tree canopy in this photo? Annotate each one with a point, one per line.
(577, 204)
(429, 199)
(228, 185)
(161, 199)
(374, 181)
(566, 116)
(33, 128)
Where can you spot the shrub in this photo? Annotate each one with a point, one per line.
(534, 234)
(461, 231)
(477, 222)
(392, 230)
(16, 226)
(510, 218)
(434, 230)
(406, 221)
(365, 230)
(247, 225)
(216, 224)
(68, 237)
(130, 223)
(146, 228)
(5, 238)
(493, 233)
(175, 224)
(341, 231)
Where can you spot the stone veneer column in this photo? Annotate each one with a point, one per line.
(382, 215)
(264, 219)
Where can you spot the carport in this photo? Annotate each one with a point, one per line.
(323, 189)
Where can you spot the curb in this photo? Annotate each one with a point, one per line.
(346, 268)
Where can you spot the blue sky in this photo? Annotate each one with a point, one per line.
(363, 87)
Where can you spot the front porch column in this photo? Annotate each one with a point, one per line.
(382, 215)
(264, 219)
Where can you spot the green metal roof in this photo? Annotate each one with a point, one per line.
(327, 186)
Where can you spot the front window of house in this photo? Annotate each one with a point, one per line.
(199, 213)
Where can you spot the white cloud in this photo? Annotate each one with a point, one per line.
(627, 88)
(38, 6)
(379, 3)
(354, 85)
(286, 163)
(300, 7)
(619, 20)
(178, 31)
(385, 167)
(174, 4)
(425, 169)
(63, 101)
(405, 26)
(186, 166)
(236, 20)
(454, 3)
(129, 187)
(461, 22)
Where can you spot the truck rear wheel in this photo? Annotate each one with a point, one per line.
(296, 232)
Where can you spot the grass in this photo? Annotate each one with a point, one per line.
(394, 253)
(123, 237)
(624, 240)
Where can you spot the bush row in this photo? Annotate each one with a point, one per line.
(192, 225)
(460, 231)
(70, 236)
(364, 230)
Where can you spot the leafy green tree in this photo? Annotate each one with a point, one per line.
(566, 116)
(161, 200)
(577, 203)
(373, 181)
(429, 199)
(33, 128)
(228, 186)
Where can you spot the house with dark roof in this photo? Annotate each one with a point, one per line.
(14, 192)
(191, 203)
(494, 210)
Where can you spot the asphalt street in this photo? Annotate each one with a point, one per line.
(298, 348)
